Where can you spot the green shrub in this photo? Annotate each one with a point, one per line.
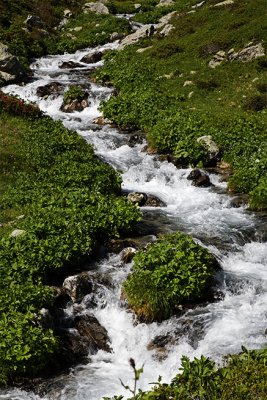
(258, 196)
(171, 271)
(243, 377)
(73, 93)
(70, 201)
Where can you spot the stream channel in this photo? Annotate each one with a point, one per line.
(235, 236)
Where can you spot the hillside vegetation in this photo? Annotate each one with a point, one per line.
(166, 87)
(57, 201)
(60, 198)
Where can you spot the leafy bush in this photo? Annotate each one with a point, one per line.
(15, 106)
(152, 93)
(73, 93)
(70, 201)
(171, 271)
(243, 377)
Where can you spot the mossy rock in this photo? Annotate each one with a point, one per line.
(172, 271)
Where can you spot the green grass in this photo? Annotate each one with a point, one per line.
(171, 93)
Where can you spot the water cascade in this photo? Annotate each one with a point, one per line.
(234, 235)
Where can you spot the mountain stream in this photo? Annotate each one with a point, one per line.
(236, 236)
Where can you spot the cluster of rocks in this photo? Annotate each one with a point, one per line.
(11, 70)
(164, 28)
(79, 104)
(52, 88)
(143, 199)
(249, 53)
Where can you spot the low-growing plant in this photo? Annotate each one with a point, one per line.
(171, 271)
(74, 92)
(70, 201)
(243, 376)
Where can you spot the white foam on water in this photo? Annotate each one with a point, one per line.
(220, 328)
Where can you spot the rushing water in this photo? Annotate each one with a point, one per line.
(234, 235)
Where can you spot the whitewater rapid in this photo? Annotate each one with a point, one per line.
(233, 235)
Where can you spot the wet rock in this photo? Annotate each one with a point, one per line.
(11, 69)
(135, 139)
(70, 65)
(117, 245)
(199, 178)
(159, 341)
(240, 200)
(127, 254)
(92, 333)
(137, 198)
(54, 88)
(61, 299)
(102, 121)
(92, 58)
(85, 336)
(116, 36)
(75, 105)
(46, 320)
(143, 199)
(160, 345)
(97, 8)
(78, 286)
(153, 201)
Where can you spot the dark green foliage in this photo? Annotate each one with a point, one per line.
(34, 42)
(171, 93)
(96, 30)
(73, 93)
(256, 102)
(70, 200)
(243, 377)
(171, 271)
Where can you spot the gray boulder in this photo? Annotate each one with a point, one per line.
(164, 3)
(11, 69)
(97, 8)
(144, 31)
(78, 286)
(214, 153)
(143, 199)
(52, 88)
(92, 58)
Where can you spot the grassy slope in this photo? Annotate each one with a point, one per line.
(170, 91)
